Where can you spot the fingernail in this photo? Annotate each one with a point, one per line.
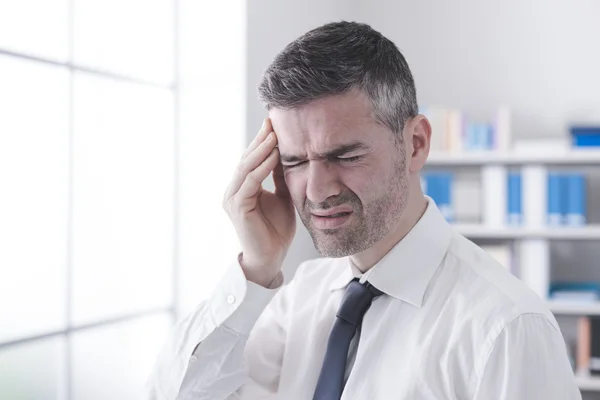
(271, 137)
(264, 123)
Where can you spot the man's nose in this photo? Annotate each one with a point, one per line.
(322, 182)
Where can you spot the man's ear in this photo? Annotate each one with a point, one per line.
(417, 133)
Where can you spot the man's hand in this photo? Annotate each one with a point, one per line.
(265, 222)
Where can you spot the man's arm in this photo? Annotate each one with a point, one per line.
(207, 356)
(528, 361)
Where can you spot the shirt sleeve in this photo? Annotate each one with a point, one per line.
(207, 355)
(528, 361)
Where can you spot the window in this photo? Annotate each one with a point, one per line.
(34, 181)
(123, 185)
(117, 140)
(87, 176)
(36, 28)
(136, 37)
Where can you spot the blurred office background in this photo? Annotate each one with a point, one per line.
(122, 121)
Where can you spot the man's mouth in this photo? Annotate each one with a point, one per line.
(341, 214)
(329, 220)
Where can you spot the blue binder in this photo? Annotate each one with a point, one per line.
(439, 188)
(556, 197)
(585, 136)
(576, 201)
(514, 206)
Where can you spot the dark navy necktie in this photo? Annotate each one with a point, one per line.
(356, 302)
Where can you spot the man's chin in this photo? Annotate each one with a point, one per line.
(333, 243)
(333, 252)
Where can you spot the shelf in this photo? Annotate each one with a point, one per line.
(477, 231)
(573, 308)
(589, 383)
(475, 158)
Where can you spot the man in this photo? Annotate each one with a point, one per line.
(401, 306)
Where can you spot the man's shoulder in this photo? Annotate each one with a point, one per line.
(487, 290)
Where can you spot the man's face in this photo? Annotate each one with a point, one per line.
(346, 174)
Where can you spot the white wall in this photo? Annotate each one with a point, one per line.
(541, 57)
(272, 24)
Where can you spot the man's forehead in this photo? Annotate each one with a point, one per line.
(332, 112)
(319, 130)
(317, 140)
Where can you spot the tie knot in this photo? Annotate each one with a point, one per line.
(374, 291)
(356, 301)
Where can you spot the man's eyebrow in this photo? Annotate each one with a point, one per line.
(345, 149)
(336, 152)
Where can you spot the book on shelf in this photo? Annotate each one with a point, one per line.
(501, 197)
(534, 265)
(466, 198)
(583, 346)
(555, 199)
(576, 204)
(439, 186)
(478, 136)
(575, 292)
(457, 199)
(585, 136)
(453, 132)
(588, 346)
(514, 206)
(567, 199)
(502, 129)
(494, 193)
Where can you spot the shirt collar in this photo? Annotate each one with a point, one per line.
(405, 272)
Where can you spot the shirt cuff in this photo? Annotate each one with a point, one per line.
(238, 303)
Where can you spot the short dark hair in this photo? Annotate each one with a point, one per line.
(336, 58)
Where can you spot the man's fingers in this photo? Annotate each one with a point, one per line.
(251, 162)
(264, 131)
(260, 153)
(254, 179)
(281, 188)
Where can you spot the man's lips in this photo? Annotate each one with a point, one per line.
(331, 211)
(331, 218)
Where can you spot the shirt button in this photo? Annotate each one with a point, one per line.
(231, 299)
(193, 359)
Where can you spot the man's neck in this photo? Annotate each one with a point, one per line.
(413, 212)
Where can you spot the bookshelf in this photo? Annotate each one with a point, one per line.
(574, 308)
(528, 243)
(479, 231)
(481, 158)
(588, 383)
(531, 196)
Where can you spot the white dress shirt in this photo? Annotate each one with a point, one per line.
(452, 324)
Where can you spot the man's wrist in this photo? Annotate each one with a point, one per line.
(264, 276)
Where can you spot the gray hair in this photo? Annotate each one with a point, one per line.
(336, 58)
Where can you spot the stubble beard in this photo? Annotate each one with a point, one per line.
(371, 222)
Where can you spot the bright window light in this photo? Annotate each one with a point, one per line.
(34, 173)
(123, 173)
